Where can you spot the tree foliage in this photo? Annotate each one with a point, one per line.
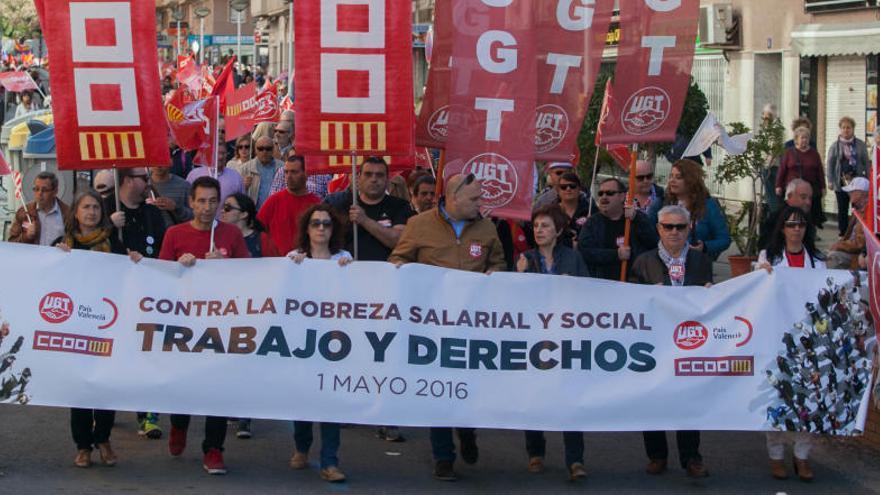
(18, 19)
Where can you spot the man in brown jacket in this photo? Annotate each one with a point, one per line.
(452, 235)
(42, 220)
(844, 253)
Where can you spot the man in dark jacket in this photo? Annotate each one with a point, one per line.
(673, 263)
(601, 240)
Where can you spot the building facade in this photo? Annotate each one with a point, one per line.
(215, 34)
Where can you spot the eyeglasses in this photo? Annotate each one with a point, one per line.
(244, 146)
(281, 131)
(568, 187)
(794, 224)
(644, 177)
(466, 182)
(321, 223)
(608, 193)
(668, 227)
(265, 148)
(227, 208)
(43, 189)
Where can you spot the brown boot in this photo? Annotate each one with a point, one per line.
(576, 472)
(83, 458)
(299, 461)
(802, 469)
(536, 464)
(656, 466)
(696, 469)
(777, 469)
(108, 457)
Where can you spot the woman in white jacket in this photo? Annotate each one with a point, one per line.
(792, 244)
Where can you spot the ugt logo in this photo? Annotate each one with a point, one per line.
(56, 307)
(645, 111)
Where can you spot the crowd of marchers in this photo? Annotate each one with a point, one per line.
(261, 201)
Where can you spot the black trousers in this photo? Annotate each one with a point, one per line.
(688, 445)
(91, 427)
(215, 430)
(842, 211)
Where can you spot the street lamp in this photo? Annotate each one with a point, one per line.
(239, 6)
(177, 15)
(201, 13)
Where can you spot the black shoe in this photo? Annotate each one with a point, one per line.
(443, 471)
(469, 451)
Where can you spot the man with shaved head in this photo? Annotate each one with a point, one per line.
(452, 235)
(261, 170)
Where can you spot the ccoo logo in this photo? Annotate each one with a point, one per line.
(690, 335)
(498, 177)
(56, 307)
(645, 111)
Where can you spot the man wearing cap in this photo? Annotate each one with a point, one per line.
(549, 196)
(844, 253)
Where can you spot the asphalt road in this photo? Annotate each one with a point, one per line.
(37, 458)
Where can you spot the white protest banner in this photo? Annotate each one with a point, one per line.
(419, 345)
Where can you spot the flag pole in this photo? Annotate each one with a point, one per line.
(38, 86)
(438, 177)
(17, 180)
(354, 199)
(593, 182)
(634, 154)
(216, 158)
(116, 196)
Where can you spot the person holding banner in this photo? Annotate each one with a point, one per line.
(320, 237)
(88, 228)
(708, 231)
(674, 263)
(202, 238)
(792, 244)
(551, 257)
(42, 220)
(453, 235)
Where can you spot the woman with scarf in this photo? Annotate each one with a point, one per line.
(847, 159)
(87, 227)
(673, 263)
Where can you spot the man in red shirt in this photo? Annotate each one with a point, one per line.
(186, 243)
(280, 213)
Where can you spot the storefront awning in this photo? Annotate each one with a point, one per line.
(826, 40)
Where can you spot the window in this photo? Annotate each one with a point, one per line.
(833, 5)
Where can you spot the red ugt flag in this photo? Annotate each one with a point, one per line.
(4, 166)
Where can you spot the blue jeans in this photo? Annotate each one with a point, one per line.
(302, 438)
(573, 442)
(442, 445)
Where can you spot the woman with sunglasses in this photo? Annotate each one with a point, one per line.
(239, 210)
(320, 237)
(243, 154)
(87, 227)
(708, 229)
(575, 204)
(792, 244)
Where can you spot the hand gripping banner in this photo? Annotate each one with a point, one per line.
(425, 346)
(356, 95)
(105, 94)
(492, 103)
(653, 70)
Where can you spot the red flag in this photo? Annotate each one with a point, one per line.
(17, 82)
(433, 120)
(267, 109)
(188, 73)
(653, 70)
(194, 127)
(621, 155)
(357, 93)
(423, 158)
(4, 166)
(106, 97)
(286, 103)
(497, 98)
(341, 164)
(873, 246)
(16, 179)
(225, 84)
(244, 108)
(208, 82)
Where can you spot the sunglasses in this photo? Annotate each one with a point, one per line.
(321, 223)
(228, 208)
(265, 148)
(608, 193)
(559, 173)
(793, 224)
(280, 131)
(244, 146)
(644, 177)
(674, 226)
(466, 182)
(568, 187)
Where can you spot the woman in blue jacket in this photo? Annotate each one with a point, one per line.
(685, 187)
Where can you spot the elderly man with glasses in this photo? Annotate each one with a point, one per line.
(262, 170)
(42, 220)
(647, 192)
(673, 263)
